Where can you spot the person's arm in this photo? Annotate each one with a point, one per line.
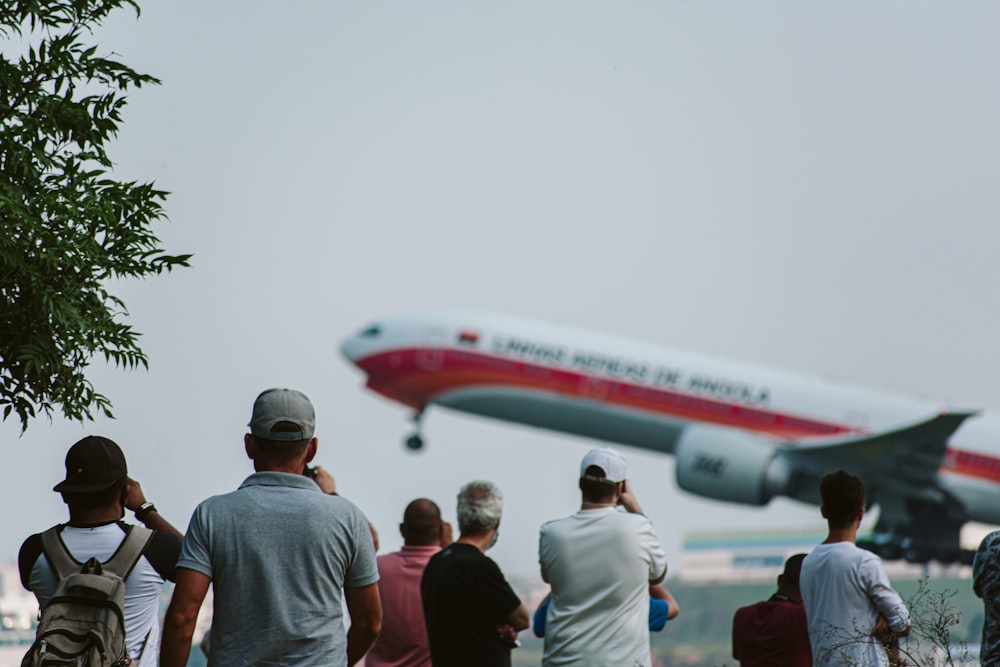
(654, 554)
(135, 499)
(365, 608)
(517, 620)
(520, 618)
(886, 600)
(325, 481)
(628, 500)
(659, 592)
(182, 614)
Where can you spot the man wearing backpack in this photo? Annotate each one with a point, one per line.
(280, 556)
(97, 490)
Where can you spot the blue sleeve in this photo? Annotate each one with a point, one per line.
(538, 622)
(658, 612)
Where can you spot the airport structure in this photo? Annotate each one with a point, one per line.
(759, 556)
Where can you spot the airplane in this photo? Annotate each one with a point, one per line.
(738, 432)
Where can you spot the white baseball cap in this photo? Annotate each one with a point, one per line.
(609, 460)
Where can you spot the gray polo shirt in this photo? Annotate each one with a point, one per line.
(279, 552)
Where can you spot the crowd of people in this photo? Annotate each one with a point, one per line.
(286, 556)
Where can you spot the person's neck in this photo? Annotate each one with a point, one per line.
(848, 534)
(791, 596)
(592, 505)
(95, 517)
(482, 542)
(291, 468)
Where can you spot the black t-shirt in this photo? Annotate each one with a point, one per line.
(465, 598)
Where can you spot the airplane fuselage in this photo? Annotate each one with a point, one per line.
(649, 396)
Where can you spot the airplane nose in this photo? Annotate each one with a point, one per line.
(361, 344)
(351, 348)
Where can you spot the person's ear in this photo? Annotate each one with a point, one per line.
(249, 446)
(311, 449)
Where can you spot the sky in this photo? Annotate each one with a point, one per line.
(810, 186)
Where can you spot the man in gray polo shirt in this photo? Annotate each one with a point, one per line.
(278, 553)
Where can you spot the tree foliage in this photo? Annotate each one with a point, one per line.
(67, 227)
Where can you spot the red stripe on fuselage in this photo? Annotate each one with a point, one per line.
(415, 376)
(971, 464)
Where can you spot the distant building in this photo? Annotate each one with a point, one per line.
(758, 557)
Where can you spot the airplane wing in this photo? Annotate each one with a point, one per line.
(918, 520)
(908, 456)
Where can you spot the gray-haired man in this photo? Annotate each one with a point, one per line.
(472, 614)
(280, 555)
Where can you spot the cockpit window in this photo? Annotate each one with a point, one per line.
(372, 332)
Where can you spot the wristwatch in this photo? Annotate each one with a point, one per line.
(142, 510)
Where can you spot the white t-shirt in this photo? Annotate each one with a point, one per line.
(599, 563)
(844, 589)
(142, 587)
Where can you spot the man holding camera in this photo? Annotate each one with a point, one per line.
(600, 562)
(97, 491)
(280, 554)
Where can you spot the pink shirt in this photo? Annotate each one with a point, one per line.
(403, 641)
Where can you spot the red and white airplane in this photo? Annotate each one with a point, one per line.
(739, 432)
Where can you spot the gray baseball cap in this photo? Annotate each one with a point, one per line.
(282, 405)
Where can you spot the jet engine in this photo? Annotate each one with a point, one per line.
(730, 465)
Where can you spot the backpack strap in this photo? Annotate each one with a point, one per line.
(121, 563)
(129, 551)
(55, 551)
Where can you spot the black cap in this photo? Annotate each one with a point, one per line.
(93, 464)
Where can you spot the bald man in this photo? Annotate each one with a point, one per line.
(403, 641)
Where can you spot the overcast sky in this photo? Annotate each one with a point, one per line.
(812, 186)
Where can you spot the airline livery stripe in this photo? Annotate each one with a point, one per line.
(415, 376)
(403, 375)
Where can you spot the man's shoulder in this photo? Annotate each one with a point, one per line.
(461, 557)
(391, 559)
(837, 552)
(556, 524)
(29, 552)
(780, 608)
(990, 543)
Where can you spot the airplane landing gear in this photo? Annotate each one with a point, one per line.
(415, 442)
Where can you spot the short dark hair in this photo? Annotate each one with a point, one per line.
(96, 499)
(422, 523)
(793, 568)
(281, 450)
(843, 497)
(596, 490)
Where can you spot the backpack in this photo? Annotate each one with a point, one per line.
(84, 622)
